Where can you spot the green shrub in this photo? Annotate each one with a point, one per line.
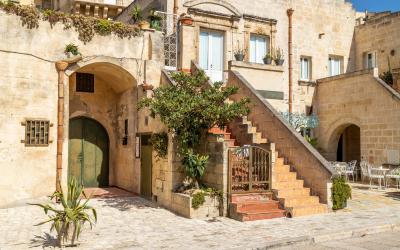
(71, 48)
(103, 27)
(160, 144)
(387, 77)
(341, 192)
(198, 199)
(194, 166)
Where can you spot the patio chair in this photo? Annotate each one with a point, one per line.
(376, 173)
(394, 174)
(350, 169)
(364, 170)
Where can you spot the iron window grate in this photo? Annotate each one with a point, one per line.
(37, 132)
(84, 82)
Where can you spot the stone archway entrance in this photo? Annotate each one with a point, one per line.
(88, 152)
(349, 144)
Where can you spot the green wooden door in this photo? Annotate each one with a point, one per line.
(88, 152)
(146, 166)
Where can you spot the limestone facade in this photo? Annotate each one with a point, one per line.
(29, 86)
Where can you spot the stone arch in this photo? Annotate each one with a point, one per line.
(221, 3)
(333, 134)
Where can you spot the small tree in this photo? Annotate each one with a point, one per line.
(189, 108)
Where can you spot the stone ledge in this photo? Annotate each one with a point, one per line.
(256, 66)
(346, 75)
(182, 205)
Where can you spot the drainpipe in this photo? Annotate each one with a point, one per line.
(290, 43)
(176, 7)
(61, 66)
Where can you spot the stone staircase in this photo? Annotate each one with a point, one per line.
(289, 197)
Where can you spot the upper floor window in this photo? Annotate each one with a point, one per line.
(259, 46)
(305, 68)
(84, 82)
(370, 60)
(335, 65)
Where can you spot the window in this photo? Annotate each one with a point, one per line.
(84, 82)
(370, 60)
(335, 65)
(305, 68)
(259, 45)
(37, 132)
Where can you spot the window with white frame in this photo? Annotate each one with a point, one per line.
(259, 46)
(305, 68)
(335, 65)
(370, 60)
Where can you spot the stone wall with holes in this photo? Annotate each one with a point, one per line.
(320, 29)
(379, 34)
(365, 101)
(28, 89)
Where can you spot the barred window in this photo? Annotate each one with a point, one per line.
(84, 82)
(37, 132)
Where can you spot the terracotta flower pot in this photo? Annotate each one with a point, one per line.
(144, 25)
(147, 86)
(186, 20)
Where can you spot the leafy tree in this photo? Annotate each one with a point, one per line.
(189, 108)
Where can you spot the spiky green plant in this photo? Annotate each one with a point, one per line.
(71, 216)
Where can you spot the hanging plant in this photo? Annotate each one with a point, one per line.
(86, 27)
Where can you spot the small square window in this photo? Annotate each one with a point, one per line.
(305, 68)
(335, 66)
(37, 132)
(84, 82)
(259, 47)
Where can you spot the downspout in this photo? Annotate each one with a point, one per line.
(176, 7)
(290, 48)
(61, 66)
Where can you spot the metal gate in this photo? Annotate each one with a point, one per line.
(249, 170)
(169, 28)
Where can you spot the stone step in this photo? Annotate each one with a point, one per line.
(254, 206)
(307, 210)
(279, 160)
(279, 169)
(299, 201)
(288, 184)
(282, 176)
(241, 198)
(272, 214)
(287, 193)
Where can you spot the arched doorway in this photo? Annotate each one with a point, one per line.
(88, 152)
(349, 145)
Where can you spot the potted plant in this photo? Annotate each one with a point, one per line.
(341, 192)
(239, 53)
(155, 20)
(144, 25)
(71, 50)
(136, 14)
(279, 57)
(186, 20)
(69, 220)
(267, 58)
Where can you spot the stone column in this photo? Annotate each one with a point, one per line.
(61, 66)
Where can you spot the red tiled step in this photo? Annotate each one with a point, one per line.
(255, 206)
(271, 214)
(240, 198)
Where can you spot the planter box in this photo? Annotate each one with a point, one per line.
(182, 205)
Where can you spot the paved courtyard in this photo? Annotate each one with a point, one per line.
(135, 223)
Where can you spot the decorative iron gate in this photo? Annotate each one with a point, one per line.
(249, 170)
(169, 28)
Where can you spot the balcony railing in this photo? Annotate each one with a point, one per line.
(107, 2)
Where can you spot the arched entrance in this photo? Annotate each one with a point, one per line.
(349, 145)
(88, 152)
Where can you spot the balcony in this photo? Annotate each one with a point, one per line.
(100, 8)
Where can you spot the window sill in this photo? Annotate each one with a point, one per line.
(308, 83)
(256, 66)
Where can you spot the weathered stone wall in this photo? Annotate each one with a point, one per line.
(379, 34)
(365, 101)
(28, 83)
(320, 29)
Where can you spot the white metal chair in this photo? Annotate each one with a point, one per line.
(364, 170)
(350, 169)
(376, 173)
(393, 174)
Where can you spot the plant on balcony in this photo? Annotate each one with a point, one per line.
(136, 13)
(155, 20)
(69, 220)
(239, 53)
(341, 192)
(278, 57)
(267, 58)
(71, 49)
(387, 76)
(103, 27)
(189, 108)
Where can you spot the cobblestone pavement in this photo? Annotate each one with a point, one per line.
(134, 223)
(381, 241)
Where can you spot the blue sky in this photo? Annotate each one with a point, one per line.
(376, 5)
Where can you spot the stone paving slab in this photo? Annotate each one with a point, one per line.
(135, 223)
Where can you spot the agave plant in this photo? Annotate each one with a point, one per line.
(70, 218)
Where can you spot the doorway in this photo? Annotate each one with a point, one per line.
(88, 159)
(349, 145)
(146, 149)
(211, 54)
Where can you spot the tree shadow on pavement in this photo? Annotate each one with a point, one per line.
(45, 241)
(128, 203)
